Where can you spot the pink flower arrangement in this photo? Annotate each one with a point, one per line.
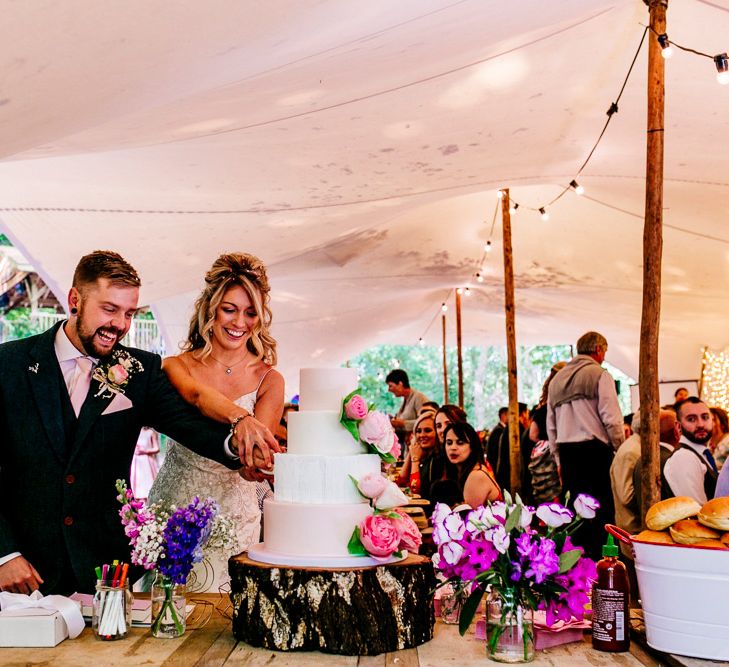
(118, 374)
(370, 427)
(375, 429)
(410, 537)
(380, 536)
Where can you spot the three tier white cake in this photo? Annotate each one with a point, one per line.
(316, 506)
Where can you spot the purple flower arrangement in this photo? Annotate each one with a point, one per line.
(523, 554)
(171, 539)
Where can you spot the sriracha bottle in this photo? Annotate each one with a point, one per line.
(610, 597)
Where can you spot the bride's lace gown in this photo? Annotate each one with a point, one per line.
(184, 475)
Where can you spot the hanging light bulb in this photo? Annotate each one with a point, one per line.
(479, 277)
(487, 247)
(421, 341)
(444, 308)
(467, 291)
(722, 68)
(666, 48)
(543, 213)
(499, 194)
(459, 290)
(577, 187)
(513, 207)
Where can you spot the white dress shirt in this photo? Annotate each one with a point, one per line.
(685, 472)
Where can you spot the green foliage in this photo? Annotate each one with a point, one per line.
(21, 323)
(4, 240)
(485, 377)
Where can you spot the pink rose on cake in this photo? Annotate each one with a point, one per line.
(356, 408)
(376, 430)
(372, 485)
(380, 536)
(410, 538)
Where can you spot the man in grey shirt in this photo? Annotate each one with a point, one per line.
(403, 422)
(585, 427)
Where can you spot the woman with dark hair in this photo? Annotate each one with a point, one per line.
(720, 436)
(465, 465)
(447, 414)
(226, 371)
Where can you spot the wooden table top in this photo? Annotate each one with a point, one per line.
(213, 645)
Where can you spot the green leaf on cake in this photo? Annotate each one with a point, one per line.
(355, 546)
(351, 426)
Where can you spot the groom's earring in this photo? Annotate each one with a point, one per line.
(74, 311)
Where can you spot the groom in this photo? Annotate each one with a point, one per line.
(72, 403)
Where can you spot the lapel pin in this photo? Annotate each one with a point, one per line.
(34, 367)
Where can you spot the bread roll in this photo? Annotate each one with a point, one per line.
(715, 513)
(710, 544)
(667, 512)
(690, 531)
(661, 537)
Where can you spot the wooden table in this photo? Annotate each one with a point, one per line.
(214, 645)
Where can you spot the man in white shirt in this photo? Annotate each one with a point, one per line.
(691, 470)
(398, 384)
(585, 427)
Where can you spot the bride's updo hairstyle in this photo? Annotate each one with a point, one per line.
(228, 270)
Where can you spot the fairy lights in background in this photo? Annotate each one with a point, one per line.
(715, 379)
(716, 374)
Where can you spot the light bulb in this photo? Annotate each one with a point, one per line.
(513, 208)
(487, 247)
(479, 277)
(666, 48)
(421, 341)
(444, 308)
(467, 291)
(577, 187)
(722, 68)
(499, 194)
(459, 290)
(544, 214)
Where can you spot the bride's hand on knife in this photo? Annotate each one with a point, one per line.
(255, 443)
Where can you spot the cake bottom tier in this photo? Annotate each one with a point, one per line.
(310, 530)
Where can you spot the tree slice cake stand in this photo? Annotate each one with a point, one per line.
(350, 611)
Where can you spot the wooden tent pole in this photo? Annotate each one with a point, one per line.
(513, 420)
(445, 362)
(652, 255)
(459, 343)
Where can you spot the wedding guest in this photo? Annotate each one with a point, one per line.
(503, 464)
(627, 506)
(428, 406)
(72, 403)
(447, 414)
(492, 444)
(720, 437)
(464, 465)
(145, 465)
(398, 384)
(424, 463)
(670, 436)
(226, 371)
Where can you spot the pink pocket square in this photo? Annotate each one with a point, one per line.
(118, 403)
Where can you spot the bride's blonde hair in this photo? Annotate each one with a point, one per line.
(248, 272)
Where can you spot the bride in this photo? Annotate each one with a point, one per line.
(226, 371)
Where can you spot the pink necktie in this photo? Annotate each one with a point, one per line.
(82, 383)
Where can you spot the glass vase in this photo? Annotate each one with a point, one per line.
(451, 603)
(168, 607)
(509, 629)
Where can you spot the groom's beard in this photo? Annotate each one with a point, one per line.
(88, 337)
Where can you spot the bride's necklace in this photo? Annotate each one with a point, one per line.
(229, 368)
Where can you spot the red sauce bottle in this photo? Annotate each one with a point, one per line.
(610, 598)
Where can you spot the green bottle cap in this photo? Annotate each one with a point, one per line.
(610, 548)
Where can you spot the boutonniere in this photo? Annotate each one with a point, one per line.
(34, 368)
(113, 375)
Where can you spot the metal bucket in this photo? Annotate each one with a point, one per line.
(685, 596)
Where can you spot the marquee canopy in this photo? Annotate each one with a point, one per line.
(357, 148)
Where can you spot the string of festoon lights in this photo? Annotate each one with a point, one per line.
(715, 378)
(721, 62)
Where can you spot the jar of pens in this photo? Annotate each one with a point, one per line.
(112, 608)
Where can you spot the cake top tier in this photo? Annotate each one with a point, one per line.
(324, 388)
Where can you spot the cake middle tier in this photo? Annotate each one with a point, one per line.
(322, 479)
(319, 432)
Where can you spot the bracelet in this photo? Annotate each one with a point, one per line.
(237, 421)
(415, 460)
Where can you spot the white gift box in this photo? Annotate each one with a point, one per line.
(31, 627)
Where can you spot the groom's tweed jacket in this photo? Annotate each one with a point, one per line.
(58, 503)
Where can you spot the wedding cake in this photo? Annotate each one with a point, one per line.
(316, 504)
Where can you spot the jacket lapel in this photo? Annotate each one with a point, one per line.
(45, 382)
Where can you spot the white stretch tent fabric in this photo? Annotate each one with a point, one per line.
(357, 148)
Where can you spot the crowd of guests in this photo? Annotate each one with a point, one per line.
(574, 440)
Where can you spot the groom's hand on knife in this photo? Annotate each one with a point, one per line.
(19, 576)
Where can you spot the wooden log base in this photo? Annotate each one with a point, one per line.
(355, 611)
